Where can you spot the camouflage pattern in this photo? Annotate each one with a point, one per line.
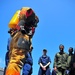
(60, 62)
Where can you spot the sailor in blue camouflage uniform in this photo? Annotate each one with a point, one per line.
(44, 62)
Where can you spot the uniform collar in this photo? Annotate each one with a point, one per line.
(44, 55)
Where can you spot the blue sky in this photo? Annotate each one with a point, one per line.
(56, 26)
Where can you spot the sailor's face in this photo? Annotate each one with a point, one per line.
(61, 48)
(70, 50)
(44, 53)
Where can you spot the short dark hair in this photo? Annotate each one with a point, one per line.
(44, 50)
(71, 49)
(61, 45)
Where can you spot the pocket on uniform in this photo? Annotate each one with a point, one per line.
(23, 44)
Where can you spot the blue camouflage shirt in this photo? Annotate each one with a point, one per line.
(44, 60)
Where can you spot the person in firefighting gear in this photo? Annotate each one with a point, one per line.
(21, 41)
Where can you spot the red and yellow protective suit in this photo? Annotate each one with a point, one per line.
(17, 52)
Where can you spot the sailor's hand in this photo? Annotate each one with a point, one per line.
(44, 68)
(55, 68)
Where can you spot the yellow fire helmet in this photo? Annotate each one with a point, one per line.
(20, 14)
(26, 14)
